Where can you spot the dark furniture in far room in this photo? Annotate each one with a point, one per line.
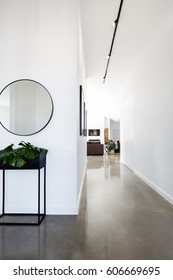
(95, 148)
(117, 150)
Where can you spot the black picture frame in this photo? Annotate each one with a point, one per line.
(81, 111)
(85, 121)
(94, 132)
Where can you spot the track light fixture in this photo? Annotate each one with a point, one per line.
(115, 25)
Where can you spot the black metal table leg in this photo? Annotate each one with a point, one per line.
(39, 215)
(44, 190)
(3, 197)
(38, 196)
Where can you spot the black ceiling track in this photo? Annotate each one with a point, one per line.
(113, 38)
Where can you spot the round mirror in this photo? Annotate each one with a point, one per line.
(26, 107)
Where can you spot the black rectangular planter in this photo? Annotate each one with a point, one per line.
(36, 163)
(25, 218)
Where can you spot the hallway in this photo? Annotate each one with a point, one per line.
(124, 218)
(120, 218)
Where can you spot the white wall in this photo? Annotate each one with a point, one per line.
(114, 130)
(146, 112)
(127, 127)
(81, 140)
(96, 121)
(39, 41)
(106, 122)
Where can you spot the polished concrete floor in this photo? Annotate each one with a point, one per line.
(120, 218)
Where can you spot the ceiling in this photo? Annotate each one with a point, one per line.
(138, 23)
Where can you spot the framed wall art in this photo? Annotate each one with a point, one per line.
(81, 110)
(85, 120)
(82, 113)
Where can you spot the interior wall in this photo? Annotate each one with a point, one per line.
(96, 121)
(148, 120)
(39, 41)
(106, 122)
(81, 140)
(114, 130)
(127, 127)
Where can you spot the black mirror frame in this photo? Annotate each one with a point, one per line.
(51, 103)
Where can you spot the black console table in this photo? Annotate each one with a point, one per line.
(25, 218)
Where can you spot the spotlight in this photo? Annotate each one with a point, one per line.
(114, 23)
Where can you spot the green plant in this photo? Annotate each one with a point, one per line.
(20, 156)
(110, 145)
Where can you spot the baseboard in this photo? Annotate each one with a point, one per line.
(128, 166)
(21, 209)
(154, 187)
(81, 188)
(61, 210)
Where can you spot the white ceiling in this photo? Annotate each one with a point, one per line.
(139, 21)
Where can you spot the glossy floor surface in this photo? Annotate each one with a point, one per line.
(120, 218)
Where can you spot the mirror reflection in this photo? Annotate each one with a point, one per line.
(26, 107)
